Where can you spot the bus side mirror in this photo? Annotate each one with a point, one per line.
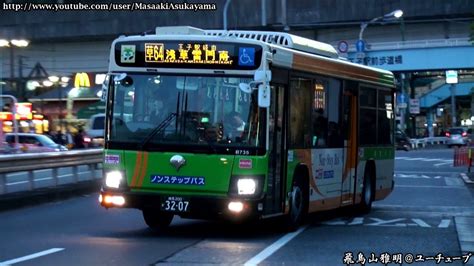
(263, 77)
(264, 96)
(104, 90)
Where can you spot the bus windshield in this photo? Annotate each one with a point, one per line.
(164, 111)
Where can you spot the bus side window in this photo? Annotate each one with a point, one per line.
(319, 116)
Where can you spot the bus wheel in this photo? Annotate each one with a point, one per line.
(367, 193)
(299, 199)
(156, 219)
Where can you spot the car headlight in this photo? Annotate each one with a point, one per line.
(113, 179)
(246, 186)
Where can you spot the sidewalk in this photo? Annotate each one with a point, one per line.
(465, 224)
(468, 178)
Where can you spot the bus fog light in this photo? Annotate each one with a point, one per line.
(246, 186)
(113, 179)
(118, 200)
(236, 206)
(113, 200)
(108, 199)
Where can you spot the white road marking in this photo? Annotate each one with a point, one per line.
(444, 223)
(273, 247)
(420, 223)
(399, 222)
(424, 159)
(409, 186)
(419, 176)
(380, 222)
(32, 256)
(433, 160)
(425, 172)
(357, 220)
(439, 164)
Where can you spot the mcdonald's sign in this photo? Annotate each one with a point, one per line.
(82, 80)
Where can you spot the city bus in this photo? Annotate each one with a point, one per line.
(243, 125)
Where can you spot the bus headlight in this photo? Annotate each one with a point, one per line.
(113, 179)
(246, 186)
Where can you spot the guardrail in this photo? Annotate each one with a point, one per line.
(421, 143)
(51, 160)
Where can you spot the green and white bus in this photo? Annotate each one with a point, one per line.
(243, 125)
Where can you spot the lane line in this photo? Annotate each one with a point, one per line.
(408, 186)
(439, 164)
(32, 256)
(273, 247)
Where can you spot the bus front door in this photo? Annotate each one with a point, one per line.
(277, 151)
(350, 144)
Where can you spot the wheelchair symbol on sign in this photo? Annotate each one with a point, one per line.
(245, 58)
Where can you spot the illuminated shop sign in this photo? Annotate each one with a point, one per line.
(183, 54)
(81, 80)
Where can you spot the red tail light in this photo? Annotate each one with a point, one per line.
(464, 134)
(87, 139)
(447, 134)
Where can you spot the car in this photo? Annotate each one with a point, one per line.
(402, 141)
(31, 142)
(458, 136)
(95, 131)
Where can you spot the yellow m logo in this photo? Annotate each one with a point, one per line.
(81, 80)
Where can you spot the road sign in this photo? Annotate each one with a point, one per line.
(343, 46)
(451, 76)
(401, 100)
(414, 106)
(360, 45)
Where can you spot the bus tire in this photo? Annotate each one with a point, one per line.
(367, 191)
(156, 219)
(298, 201)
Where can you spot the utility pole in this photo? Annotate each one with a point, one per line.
(453, 105)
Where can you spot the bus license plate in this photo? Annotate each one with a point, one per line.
(175, 204)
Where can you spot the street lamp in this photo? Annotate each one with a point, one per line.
(396, 14)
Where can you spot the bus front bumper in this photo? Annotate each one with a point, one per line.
(186, 206)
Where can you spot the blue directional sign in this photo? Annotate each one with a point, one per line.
(360, 46)
(401, 100)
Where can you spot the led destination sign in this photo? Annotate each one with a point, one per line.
(187, 54)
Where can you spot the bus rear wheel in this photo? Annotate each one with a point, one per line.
(299, 200)
(367, 192)
(156, 219)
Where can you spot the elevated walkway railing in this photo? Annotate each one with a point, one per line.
(53, 160)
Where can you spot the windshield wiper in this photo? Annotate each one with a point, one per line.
(159, 128)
